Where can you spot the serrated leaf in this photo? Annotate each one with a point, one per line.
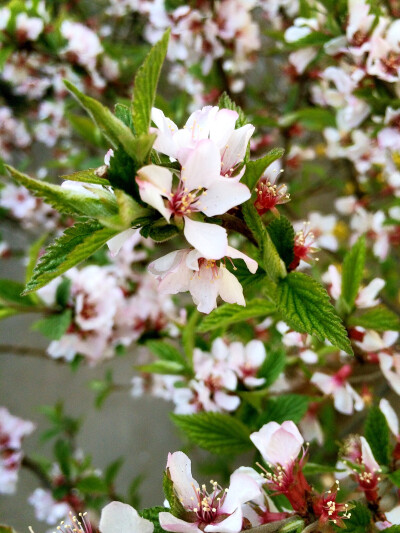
(152, 515)
(352, 271)
(377, 434)
(117, 133)
(360, 520)
(33, 255)
(87, 176)
(54, 326)
(271, 262)
(272, 367)
(129, 209)
(176, 507)
(10, 293)
(145, 85)
(285, 407)
(76, 244)
(225, 102)
(215, 432)
(165, 351)
(255, 169)
(305, 305)
(228, 314)
(67, 200)
(378, 318)
(282, 234)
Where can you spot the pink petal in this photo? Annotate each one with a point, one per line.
(235, 254)
(236, 147)
(170, 522)
(209, 239)
(222, 195)
(202, 166)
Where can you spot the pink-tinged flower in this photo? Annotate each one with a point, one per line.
(187, 270)
(359, 26)
(208, 123)
(201, 188)
(47, 509)
(345, 398)
(310, 427)
(247, 360)
(12, 431)
(269, 195)
(280, 446)
(368, 479)
(327, 509)
(28, 28)
(384, 56)
(217, 510)
(304, 241)
(390, 367)
(117, 517)
(83, 44)
(302, 341)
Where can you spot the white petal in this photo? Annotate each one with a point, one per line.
(209, 239)
(152, 195)
(222, 126)
(242, 489)
(225, 401)
(343, 401)
(166, 263)
(117, 517)
(230, 289)
(165, 142)
(236, 147)
(180, 471)
(235, 254)
(202, 166)
(390, 415)
(222, 195)
(204, 290)
(116, 242)
(170, 522)
(159, 176)
(232, 524)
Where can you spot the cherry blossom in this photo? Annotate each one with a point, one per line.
(117, 517)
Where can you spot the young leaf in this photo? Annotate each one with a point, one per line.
(352, 272)
(215, 432)
(54, 326)
(117, 133)
(152, 515)
(165, 351)
(273, 365)
(377, 434)
(76, 244)
(255, 169)
(271, 262)
(145, 86)
(92, 485)
(305, 305)
(66, 200)
(285, 407)
(170, 368)
(378, 318)
(282, 234)
(228, 314)
(87, 176)
(225, 102)
(172, 498)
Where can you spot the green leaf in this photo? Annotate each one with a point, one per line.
(378, 318)
(282, 234)
(63, 454)
(176, 507)
(160, 232)
(395, 477)
(33, 255)
(316, 38)
(66, 200)
(228, 314)
(305, 305)
(112, 470)
(285, 407)
(352, 272)
(86, 129)
(377, 434)
(63, 292)
(54, 326)
(92, 485)
(145, 85)
(165, 351)
(163, 367)
(76, 244)
(152, 515)
(87, 176)
(314, 119)
(117, 133)
(314, 468)
(6, 312)
(10, 293)
(360, 520)
(225, 102)
(215, 432)
(6, 529)
(271, 262)
(255, 169)
(273, 366)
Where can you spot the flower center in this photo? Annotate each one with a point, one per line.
(183, 202)
(207, 505)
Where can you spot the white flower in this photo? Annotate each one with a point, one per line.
(345, 398)
(117, 517)
(187, 270)
(279, 444)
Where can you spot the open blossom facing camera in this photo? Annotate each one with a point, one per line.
(215, 510)
(205, 279)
